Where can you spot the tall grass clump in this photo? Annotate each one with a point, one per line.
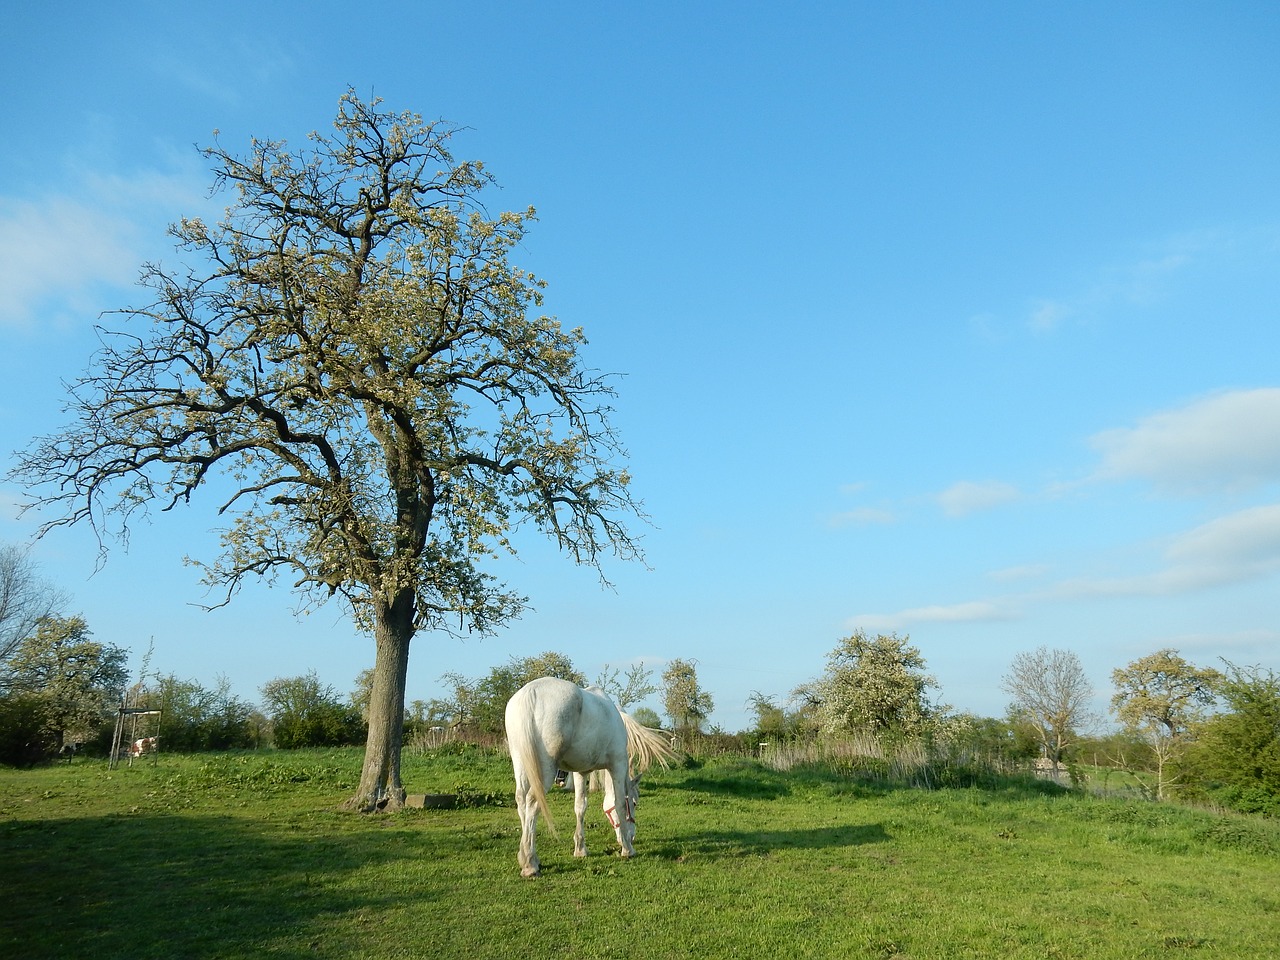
(886, 762)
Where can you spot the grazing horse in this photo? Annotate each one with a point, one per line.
(552, 724)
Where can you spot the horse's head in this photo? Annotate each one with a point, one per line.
(620, 811)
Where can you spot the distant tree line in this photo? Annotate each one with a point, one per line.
(1187, 731)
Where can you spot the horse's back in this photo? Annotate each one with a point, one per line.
(581, 729)
(546, 702)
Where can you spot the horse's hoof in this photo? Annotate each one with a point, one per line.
(530, 873)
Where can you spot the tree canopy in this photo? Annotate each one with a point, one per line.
(305, 712)
(686, 704)
(873, 684)
(74, 679)
(354, 358)
(1160, 698)
(1237, 757)
(481, 704)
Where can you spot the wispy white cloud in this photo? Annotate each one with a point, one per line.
(10, 506)
(1048, 315)
(58, 250)
(978, 611)
(1226, 441)
(968, 497)
(253, 63)
(1027, 571)
(1243, 647)
(861, 517)
(1240, 541)
(1236, 548)
(1145, 278)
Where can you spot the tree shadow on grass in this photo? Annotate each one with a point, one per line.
(204, 886)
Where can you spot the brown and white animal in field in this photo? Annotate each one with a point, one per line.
(145, 745)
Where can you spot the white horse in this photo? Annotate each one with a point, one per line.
(554, 724)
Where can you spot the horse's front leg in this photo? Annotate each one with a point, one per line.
(622, 815)
(580, 787)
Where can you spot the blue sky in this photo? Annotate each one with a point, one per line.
(955, 320)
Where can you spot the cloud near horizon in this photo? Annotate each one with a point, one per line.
(1235, 548)
(978, 611)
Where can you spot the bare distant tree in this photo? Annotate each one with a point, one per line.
(25, 600)
(1052, 695)
(631, 688)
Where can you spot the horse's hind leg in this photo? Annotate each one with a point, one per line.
(580, 788)
(527, 810)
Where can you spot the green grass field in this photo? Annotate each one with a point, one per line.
(248, 856)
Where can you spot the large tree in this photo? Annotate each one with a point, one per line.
(352, 354)
(1160, 698)
(1051, 694)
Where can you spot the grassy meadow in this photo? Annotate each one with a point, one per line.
(248, 855)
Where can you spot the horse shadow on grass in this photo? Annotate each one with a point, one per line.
(742, 786)
(728, 843)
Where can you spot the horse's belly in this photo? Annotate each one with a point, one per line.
(578, 761)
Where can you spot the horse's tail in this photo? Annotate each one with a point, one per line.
(522, 742)
(645, 746)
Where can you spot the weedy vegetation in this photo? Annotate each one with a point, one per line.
(249, 855)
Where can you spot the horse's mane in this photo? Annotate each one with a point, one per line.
(645, 746)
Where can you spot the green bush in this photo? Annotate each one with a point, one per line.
(323, 725)
(25, 737)
(307, 713)
(1236, 761)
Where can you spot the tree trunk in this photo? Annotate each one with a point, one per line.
(380, 787)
